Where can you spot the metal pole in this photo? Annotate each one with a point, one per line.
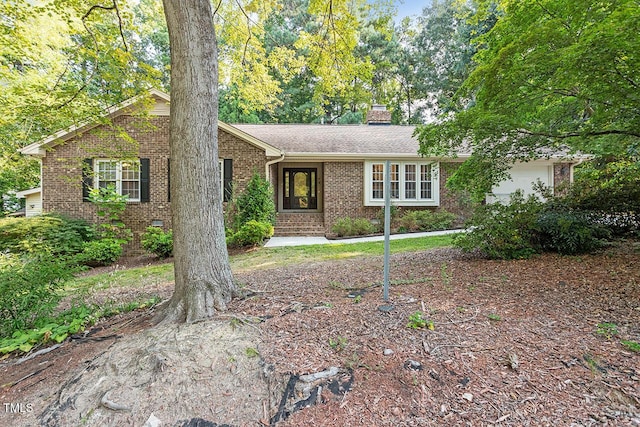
(387, 227)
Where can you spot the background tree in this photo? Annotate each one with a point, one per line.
(444, 50)
(550, 75)
(61, 64)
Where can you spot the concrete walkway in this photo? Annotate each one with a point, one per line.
(301, 241)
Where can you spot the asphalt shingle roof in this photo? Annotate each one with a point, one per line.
(336, 139)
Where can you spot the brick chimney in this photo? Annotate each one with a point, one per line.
(378, 115)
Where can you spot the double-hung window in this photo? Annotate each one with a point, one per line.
(124, 176)
(411, 183)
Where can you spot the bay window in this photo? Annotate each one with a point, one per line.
(412, 183)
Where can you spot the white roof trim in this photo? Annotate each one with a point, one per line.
(39, 148)
(29, 192)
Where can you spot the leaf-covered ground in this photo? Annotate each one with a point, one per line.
(545, 341)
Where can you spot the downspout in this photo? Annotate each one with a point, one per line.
(272, 162)
(573, 165)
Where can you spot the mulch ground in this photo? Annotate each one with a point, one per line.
(528, 342)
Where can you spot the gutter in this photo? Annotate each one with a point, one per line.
(272, 162)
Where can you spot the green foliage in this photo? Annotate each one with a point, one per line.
(51, 234)
(528, 226)
(252, 215)
(338, 344)
(438, 57)
(158, 242)
(426, 220)
(533, 89)
(608, 193)
(255, 203)
(17, 173)
(494, 317)
(29, 289)
(569, 232)
(607, 329)
(58, 70)
(352, 227)
(110, 205)
(58, 328)
(101, 252)
(252, 233)
(418, 321)
(631, 345)
(504, 231)
(251, 352)
(112, 232)
(394, 213)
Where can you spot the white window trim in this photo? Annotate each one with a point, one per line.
(96, 181)
(403, 201)
(221, 171)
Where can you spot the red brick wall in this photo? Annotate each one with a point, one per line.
(247, 159)
(561, 177)
(344, 193)
(62, 169)
(451, 201)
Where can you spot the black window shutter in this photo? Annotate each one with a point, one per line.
(168, 180)
(228, 179)
(87, 178)
(144, 180)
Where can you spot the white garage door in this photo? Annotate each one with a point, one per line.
(523, 176)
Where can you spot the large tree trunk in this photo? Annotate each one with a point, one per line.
(203, 279)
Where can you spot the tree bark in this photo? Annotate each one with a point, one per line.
(203, 279)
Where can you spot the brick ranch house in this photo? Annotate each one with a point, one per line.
(319, 172)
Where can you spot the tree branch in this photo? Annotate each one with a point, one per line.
(93, 8)
(113, 7)
(624, 76)
(577, 134)
(246, 43)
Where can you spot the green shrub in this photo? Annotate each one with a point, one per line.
(110, 205)
(101, 252)
(29, 289)
(570, 233)
(158, 242)
(254, 204)
(605, 192)
(610, 192)
(408, 222)
(352, 227)
(426, 220)
(51, 234)
(251, 234)
(394, 214)
(438, 220)
(504, 231)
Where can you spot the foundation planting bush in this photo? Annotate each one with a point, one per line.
(158, 242)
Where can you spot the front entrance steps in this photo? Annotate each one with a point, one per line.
(299, 224)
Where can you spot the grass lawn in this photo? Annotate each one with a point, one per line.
(259, 258)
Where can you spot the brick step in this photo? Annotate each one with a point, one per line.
(299, 227)
(297, 232)
(307, 230)
(299, 224)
